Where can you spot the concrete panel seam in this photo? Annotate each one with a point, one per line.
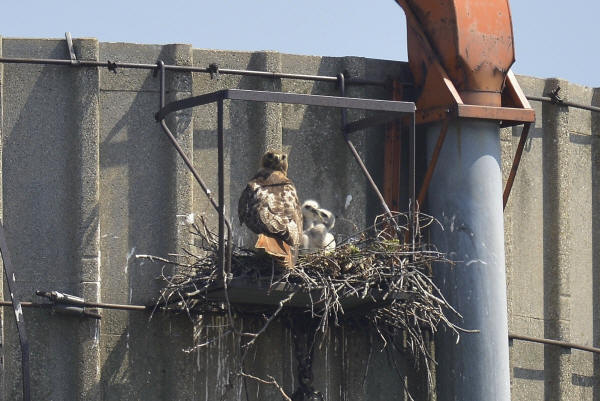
(557, 240)
(88, 119)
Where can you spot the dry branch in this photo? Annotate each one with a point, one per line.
(372, 265)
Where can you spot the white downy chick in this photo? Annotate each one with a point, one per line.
(328, 221)
(310, 215)
(318, 235)
(327, 217)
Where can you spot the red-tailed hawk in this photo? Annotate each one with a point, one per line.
(269, 206)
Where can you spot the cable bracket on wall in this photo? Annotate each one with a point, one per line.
(72, 54)
(554, 95)
(213, 69)
(112, 66)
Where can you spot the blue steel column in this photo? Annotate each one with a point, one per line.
(466, 196)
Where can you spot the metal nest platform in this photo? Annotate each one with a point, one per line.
(390, 109)
(245, 292)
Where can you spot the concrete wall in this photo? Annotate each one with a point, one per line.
(552, 226)
(89, 181)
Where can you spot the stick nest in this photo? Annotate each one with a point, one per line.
(373, 265)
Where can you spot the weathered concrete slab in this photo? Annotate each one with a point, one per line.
(551, 260)
(90, 181)
(41, 179)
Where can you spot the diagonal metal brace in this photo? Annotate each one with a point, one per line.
(358, 159)
(515, 165)
(72, 54)
(9, 271)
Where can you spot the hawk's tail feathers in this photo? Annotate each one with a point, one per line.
(276, 248)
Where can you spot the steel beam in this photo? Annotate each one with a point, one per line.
(289, 98)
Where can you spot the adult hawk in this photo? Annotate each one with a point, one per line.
(269, 207)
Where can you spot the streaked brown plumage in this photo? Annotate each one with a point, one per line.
(269, 207)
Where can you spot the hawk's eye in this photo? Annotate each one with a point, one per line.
(269, 155)
(283, 157)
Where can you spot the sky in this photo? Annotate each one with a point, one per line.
(552, 38)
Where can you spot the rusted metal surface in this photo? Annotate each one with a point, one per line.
(434, 158)
(513, 95)
(515, 165)
(412, 178)
(506, 116)
(391, 157)
(431, 79)
(431, 115)
(502, 114)
(471, 39)
(460, 53)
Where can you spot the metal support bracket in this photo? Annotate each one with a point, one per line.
(555, 95)
(515, 165)
(67, 304)
(59, 297)
(111, 65)
(433, 163)
(213, 69)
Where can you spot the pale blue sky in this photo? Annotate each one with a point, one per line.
(552, 38)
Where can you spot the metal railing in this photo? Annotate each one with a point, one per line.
(213, 69)
(389, 106)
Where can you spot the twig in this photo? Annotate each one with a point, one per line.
(371, 264)
(269, 320)
(271, 382)
(163, 260)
